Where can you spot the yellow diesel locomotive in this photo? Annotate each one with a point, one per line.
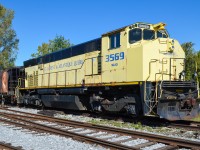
(136, 70)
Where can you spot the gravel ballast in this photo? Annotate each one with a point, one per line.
(30, 140)
(171, 132)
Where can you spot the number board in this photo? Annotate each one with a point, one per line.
(146, 26)
(115, 57)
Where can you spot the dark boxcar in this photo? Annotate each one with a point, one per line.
(8, 83)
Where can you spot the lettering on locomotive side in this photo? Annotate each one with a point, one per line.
(64, 65)
(115, 64)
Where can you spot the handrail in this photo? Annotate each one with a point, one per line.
(19, 82)
(171, 64)
(151, 61)
(73, 69)
(145, 93)
(65, 71)
(17, 87)
(163, 67)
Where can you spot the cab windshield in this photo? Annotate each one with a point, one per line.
(138, 34)
(148, 34)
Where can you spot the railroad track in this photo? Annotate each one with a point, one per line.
(190, 125)
(56, 126)
(4, 146)
(148, 121)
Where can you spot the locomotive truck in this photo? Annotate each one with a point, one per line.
(135, 70)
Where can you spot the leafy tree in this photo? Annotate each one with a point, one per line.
(59, 42)
(8, 39)
(191, 58)
(198, 64)
(42, 50)
(192, 61)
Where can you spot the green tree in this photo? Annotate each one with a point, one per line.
(198, 64)
(42, 50)
(8, 39)
(59, 42)
(192, 60)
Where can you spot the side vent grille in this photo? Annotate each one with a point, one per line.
(178, 84)
(30, 80)
(99, 65)
(36, 78)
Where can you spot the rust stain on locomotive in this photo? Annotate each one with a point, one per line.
(4, 82)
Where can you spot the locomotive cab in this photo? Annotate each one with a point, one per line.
(144, 56)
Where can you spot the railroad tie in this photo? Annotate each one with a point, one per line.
(96, 136)
(76, 130)
(168, 147)
(69, 128)
(107, 138)
(144, 145)
(125, 140)
(87, 132)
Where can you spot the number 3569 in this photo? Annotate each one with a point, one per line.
(114, 57)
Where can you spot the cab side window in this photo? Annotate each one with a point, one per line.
(135, 35)
(161, 34)
(114, 40)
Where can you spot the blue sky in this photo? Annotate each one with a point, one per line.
(38, 21)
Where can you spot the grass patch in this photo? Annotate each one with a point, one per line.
(117, 124)
(137, 126)
(197, 118)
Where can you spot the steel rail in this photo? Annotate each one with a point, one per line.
(148, 136)
(4, 146)
(184, 126)
(44, 128)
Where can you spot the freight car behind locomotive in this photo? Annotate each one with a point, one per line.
(9, 82)
(136, 70)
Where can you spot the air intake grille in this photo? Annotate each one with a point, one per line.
(184, 84)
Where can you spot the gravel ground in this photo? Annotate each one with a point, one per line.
(155, 146)
(172, 132)
(33, 111)
(30, 140)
